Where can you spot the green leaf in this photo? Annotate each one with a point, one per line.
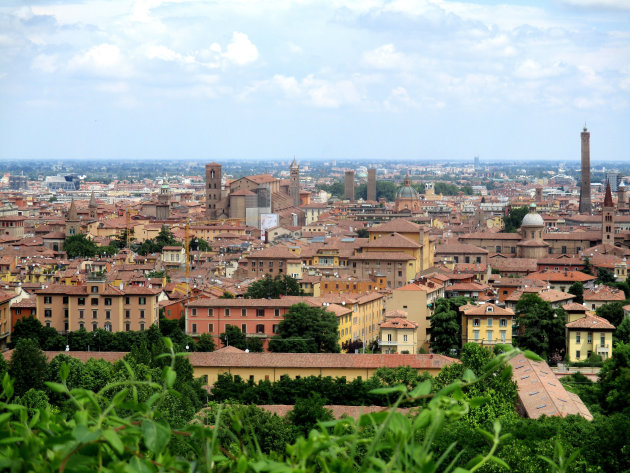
(64, 371)
(7, 386)
(120, 397)
(114, 440)
(169, 343)
(169, 375)
(500, 462)
(137, 465)
(392, 390)
(241, 465)
(530, 355)
(474, 462)
(57, 387)
(155, 435)
(469, 376)
(421, 389)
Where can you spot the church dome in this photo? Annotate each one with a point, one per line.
(533, 218)
(407, 191)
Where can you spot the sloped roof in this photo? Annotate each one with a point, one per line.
(591, 322)
(540, 392)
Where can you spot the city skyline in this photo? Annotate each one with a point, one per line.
(375, 80)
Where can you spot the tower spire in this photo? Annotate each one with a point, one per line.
(608, 201)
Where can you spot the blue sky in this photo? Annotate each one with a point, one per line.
(374, 79)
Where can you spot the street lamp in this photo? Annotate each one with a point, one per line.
(187, 347)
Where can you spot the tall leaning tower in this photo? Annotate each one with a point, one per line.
(213, 189)
(294, 183)
(585, 189)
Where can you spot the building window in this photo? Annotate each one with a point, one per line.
(142, 300)
(194, 312)
(578, 337)
(489, 333)
(404, 338)
(81, 315)
(94, 326)
(260, 328)
(81, 326)
(48, 323)
(141, 313)
(108, 327)
(211, 328)
(577, 354)
(127, 300)
(127, 313)
(95, 314)
(227, 312)
(127, 327)
(602, 340)
(65, 313)
(389, 337)
(503, 335)
(276, 312)
(503, 323)
(476, 322)
(65, 299)
(589, 337)
(47, 300)
(211, 312)
(260, 312)
(47, 313)
(476, 334)
(243, 312)
(194, 328)
(275, 328)
(244, 328)
(94, 289)
(108, 301)
(108, 314)
(94, 301)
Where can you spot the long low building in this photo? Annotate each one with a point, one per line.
(272, 366)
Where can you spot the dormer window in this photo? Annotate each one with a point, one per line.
(489, 309)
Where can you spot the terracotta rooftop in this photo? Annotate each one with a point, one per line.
(604, 293)
(487, 309)
(591, 322)
(541, 393)
(398, 322)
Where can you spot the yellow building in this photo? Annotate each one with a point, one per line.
(398, 334)
(344, 319)
(486, 324)
(590, 334)
(272, 366)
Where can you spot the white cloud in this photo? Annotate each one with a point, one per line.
(105, 60)
(530, 69)
(241, 50)
(386, 57)
(166, 54)
(616, 4)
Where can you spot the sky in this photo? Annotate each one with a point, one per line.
(271, 79)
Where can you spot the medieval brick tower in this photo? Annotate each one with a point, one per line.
(294, 183)
(371, 184)
(585, 189)
(608, 218)
(349, 186)
(213, 189)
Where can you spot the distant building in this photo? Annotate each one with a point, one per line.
(69, 182)
(349, 185)
(18, 183)
(613, 178)
(476, 165)
(371, 184)
(585, 190)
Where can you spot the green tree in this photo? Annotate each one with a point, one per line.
(28, 366)
(384, 190)
(622, 333)
(363, 233)
(205, 343)
(577, 289)
(268, 288)
(541, 328)
(605, 276)
(514, 219)
(26, 327)
(307, 329)
(79, 246)
(445, 328)
(614, 380)
(307, 412)
(336, 189)
(227, 295)
(199, 244)
(613, 312)
(234, 337)
(159, 274)
(588, 267)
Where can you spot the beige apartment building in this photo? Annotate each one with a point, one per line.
(98, 305)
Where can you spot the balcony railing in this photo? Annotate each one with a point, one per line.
(388, 343)
(602, 348)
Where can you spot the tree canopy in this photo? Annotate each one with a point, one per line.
(307, 329)
(446, 333)
(272, 288)
(613, 312)
(541, 328)
(514, 219)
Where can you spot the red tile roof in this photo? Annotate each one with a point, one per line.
(591, 322)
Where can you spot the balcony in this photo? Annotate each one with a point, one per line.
(388, 343)
(602, 348)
